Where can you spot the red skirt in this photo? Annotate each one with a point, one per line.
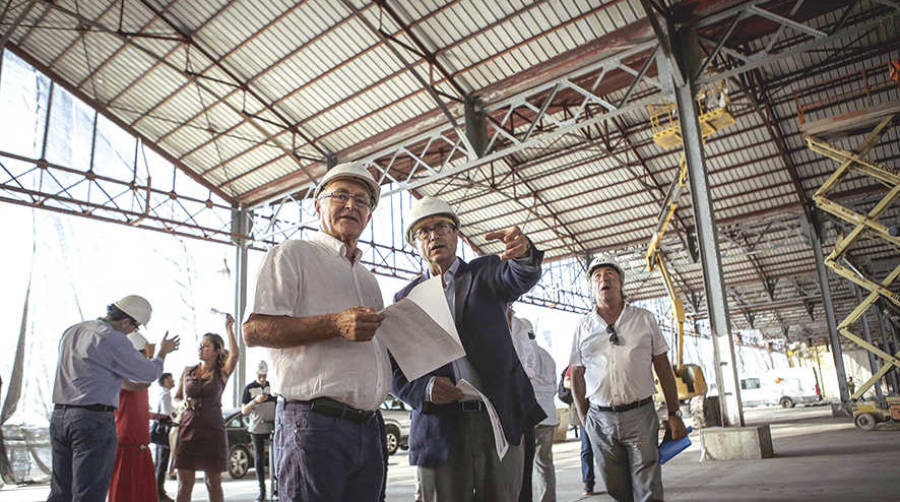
(134, 477)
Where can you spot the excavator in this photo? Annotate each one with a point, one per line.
(689, 378)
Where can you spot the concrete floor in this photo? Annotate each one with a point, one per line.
(817, 457)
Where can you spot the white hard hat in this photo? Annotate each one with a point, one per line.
(137, 340)
(606, 261)
(353, 171)
(423, 208)
(137, 307)
(262, 369)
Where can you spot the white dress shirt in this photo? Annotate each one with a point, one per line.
(315, 277)
(524, 347)
(544, 383)
(620, 374)
(164, 404)
(462, 368)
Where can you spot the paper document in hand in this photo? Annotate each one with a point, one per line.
(419, 330)
(499, 438)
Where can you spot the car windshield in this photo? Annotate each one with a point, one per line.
(394, 404)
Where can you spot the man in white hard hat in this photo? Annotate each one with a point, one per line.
(95, 358)
(316, 308)
(615, 349)
(451, 439)
(259, 403)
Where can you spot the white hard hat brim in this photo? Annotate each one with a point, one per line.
(350, 172)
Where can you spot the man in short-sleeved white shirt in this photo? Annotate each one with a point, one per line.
(316, 308)
(615, 350)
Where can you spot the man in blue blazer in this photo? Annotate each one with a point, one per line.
(450, 439)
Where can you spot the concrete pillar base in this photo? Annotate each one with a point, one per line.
(736, 443)
(838, 410)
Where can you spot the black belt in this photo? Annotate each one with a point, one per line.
(90, 407)
(471, 406)
(329, 407)
(625, 407)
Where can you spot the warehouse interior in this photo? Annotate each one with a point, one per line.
(738, 158)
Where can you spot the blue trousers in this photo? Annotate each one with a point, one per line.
(587, 461)
(328, 459)
(83, 444)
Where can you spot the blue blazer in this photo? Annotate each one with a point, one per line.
(483, 288)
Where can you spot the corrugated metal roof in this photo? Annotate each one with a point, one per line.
(286, 81)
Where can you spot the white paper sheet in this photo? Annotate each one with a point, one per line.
(429, 295)
(499, 438)
(419, 330)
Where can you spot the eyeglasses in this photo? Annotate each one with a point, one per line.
(441, 228)
(342, 196)
(613, 336)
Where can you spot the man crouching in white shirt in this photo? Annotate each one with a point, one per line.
(316, 308)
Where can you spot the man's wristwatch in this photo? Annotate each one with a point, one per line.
(676, 413)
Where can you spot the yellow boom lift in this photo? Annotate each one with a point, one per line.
(689, 379)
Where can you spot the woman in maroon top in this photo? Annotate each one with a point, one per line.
(202, 444)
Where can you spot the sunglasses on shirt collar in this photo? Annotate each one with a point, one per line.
(613, 336)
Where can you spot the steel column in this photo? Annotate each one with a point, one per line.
(873, 363)
(830, 322)
(887, 339)
(687, 52)
(240, 225)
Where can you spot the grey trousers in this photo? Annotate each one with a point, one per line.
(626, 451)
(543, 463)
(473, 471)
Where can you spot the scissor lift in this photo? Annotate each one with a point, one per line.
(866, 414)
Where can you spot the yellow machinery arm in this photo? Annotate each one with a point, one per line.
(656, 259)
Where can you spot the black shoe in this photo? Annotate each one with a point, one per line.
(261, 497)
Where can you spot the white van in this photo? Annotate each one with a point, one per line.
(786, 387)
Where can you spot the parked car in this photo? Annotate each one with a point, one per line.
(240, 445)
(786, 387)
(396, 424)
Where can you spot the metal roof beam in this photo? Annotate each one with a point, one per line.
(767, 283)
(763, 58)
(239, 82)
(429, 88)
(629, 41)
(4, 38)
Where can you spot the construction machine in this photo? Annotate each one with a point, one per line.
(689, 378)
(868, 414)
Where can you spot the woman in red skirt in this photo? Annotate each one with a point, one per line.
(134, 476)
(202, 444)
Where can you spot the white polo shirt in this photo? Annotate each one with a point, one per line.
(619, 374)
(315, 277)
